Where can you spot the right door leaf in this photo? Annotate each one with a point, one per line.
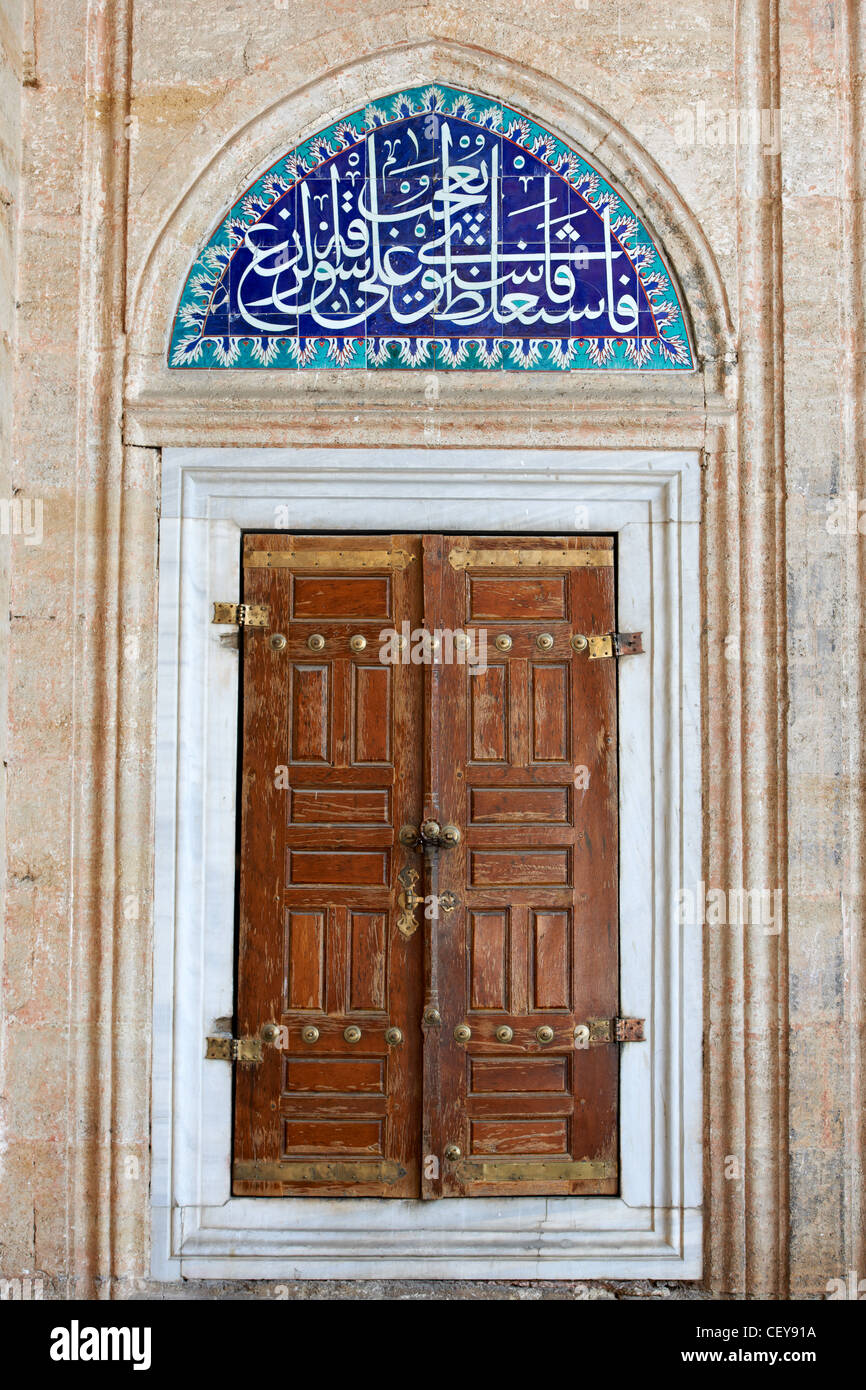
(523, 758)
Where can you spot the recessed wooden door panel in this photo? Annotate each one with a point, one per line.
(340, 750)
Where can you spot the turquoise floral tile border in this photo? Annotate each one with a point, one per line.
(206, 299)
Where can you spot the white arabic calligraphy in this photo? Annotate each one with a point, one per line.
(340, 278)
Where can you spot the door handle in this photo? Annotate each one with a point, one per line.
(408, 900)
(431, 836)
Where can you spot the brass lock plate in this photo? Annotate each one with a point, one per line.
(407, 901)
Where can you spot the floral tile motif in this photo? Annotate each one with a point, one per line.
(438, 230)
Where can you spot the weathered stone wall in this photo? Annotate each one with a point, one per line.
(11, 80)
(822, 233)
(116, 116)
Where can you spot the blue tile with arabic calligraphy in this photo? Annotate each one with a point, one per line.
(435, 229)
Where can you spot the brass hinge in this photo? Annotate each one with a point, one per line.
(242, 614)
(529, 559)
(605, 1030)
(328, 559)
(235, 1049)
(615, 644)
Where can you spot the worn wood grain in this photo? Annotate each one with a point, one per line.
(535, 941)
(368, 746)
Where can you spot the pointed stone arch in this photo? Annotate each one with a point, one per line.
(577, 127)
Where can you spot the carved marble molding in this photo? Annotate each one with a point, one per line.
(651, 502)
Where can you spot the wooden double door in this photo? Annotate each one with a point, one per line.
(428, 874)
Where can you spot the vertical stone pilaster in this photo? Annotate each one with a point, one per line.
(851, 77)
(11, 65)
(747, 1035)
(98, 1048)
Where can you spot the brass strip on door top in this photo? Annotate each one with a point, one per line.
(328, 559)
(528, 559)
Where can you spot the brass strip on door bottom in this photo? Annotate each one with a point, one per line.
(533, 1170)
(343, 1170)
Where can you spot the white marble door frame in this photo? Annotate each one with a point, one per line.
(651, 501)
